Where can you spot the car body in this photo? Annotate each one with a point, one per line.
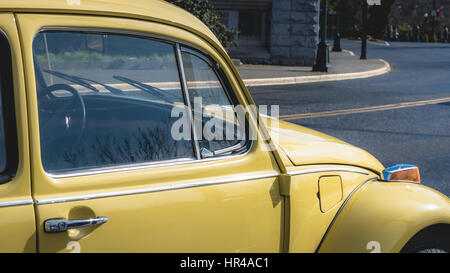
(291, 189)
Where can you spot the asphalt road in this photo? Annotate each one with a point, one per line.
(418, 135)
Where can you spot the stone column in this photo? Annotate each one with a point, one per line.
(294, 32)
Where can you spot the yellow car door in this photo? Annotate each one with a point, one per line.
(17, 224)
(117, 165)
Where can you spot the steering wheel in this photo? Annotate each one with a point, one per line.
(54, 107)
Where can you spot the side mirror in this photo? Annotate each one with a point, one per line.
(402, 172)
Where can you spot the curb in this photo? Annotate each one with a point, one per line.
(320, 78)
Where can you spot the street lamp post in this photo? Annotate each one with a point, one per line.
(321, 64)
(365, 8)
(337, 37)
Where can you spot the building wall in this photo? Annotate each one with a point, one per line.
(295, 32)
(287, 32)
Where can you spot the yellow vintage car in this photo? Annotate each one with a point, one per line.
(95, 157)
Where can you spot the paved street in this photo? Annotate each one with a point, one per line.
(416, 133)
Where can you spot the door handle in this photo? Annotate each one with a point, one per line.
(62, 224)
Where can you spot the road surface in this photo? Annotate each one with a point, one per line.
(400, 117)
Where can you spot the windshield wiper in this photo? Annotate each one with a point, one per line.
(84, 82)
(73, 79)
(145, 87)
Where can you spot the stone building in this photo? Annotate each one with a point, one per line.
(283, 32)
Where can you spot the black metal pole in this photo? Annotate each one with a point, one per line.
(321, 64)
(365, 9)
(337, 37)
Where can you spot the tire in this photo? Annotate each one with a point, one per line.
(433, 239)
(432, 250)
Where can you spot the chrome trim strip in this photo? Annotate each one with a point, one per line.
(340, 210)
(147, 165)
(155, 189)
(327, 169)
(16, 203)
(119, 168)
(399, 181)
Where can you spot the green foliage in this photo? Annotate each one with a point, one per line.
(203, 10)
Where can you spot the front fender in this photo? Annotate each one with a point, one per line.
(384, 216)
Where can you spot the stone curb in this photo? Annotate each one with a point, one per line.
(320, 78)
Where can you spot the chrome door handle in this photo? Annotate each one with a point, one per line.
(61, 224)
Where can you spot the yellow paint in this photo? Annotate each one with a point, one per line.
(389, 213)
(236, 217)
(17, 229)
(157, 11)
(248, 213)
(307, 222)
(305, 146)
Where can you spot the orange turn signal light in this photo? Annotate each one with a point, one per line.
(402, 172)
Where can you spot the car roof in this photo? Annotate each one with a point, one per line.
(151, 10)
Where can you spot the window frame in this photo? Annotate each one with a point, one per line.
(178, 45)
(8, 111)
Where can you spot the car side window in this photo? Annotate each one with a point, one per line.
(2, 136)
(105, 100)
(219, 130)
(8, 131)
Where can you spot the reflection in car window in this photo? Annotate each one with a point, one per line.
(106, 100)
(203, 83)
(2, 135)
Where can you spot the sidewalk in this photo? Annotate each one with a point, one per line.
(344, 66)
